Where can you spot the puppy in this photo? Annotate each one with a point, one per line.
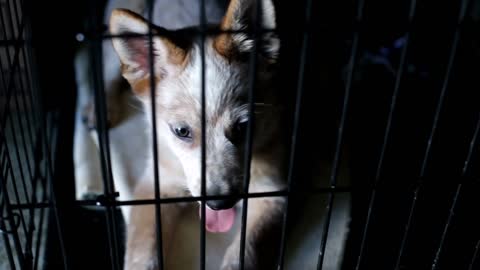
(177, 77)
(177, 62)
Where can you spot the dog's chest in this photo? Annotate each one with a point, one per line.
(186, 244)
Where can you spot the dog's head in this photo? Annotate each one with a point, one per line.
(177, 68)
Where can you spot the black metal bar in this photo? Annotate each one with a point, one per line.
(38, 144)
(29, 122)
(8, 248)
(20, 122)
(12, 80)
(340, 138)
(10, 216)
(17, 151)
(252, 76)
(475, 255)
(296, 121)
(386, 137)
(3, 137)
(194, 31)
(53, 199)
(203, 172)
(104, 142)
(192, 198)
(465, 169)
(432, 132)
(10, 83)
(282, 193)
(6, 239)
(39, 235)
(215, 31)
(9, 170)
(44, 197)
(42, 125)
(101, 132)
(22, 86)
(158, 210)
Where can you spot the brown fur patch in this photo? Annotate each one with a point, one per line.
(176, 55)
(223, 43)
(126, 13)
(224, 46)
(228, 19)
(142, 86)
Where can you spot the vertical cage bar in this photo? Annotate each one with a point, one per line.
(25, 75)
(296, 121)
(6, 241)
(203, 22)
(340, 138)
(9, 86)
(10, 216)
(433, 130)
(465, 170)
(39, 237)
(18, 140)
(13, 65)
(43, 137)
(8, 165)
(29, 135)
(20, 48)
(252, 75)
(158, 209)
(103, 138)
(17, 194)
(475, 256)
(386, 137)
(3, 225)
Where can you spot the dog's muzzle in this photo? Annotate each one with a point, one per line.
(222, 204)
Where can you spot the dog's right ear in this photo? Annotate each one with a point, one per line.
(133, 49)
(242, 15)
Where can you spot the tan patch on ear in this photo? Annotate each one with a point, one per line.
(223, 43)
(143, 86)
(176, 55)
(224, 46)
(228, 19)
(121, 12)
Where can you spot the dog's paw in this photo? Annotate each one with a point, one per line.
(231, 259)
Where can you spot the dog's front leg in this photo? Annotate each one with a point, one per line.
(141, 250)
(262, 236)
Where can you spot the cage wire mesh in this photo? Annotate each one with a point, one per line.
(391, 86)
(27, 144)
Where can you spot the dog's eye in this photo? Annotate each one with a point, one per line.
(241, 127)
(238, 132)
(182, 132)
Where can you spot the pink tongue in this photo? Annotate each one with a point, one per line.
(218, 221)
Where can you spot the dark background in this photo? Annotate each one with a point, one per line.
(384, 24)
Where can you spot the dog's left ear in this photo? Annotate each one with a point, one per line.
(134, 51)
(242, 16)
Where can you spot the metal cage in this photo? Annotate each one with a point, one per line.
(391, 86)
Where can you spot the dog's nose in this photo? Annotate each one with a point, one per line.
(222, 204)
